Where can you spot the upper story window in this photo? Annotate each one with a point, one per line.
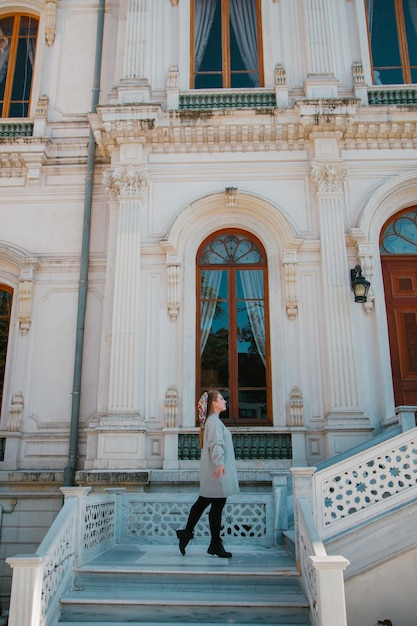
(18, 34)
(227, 44)
(392, 26)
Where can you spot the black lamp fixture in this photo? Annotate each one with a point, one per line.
(360, 286)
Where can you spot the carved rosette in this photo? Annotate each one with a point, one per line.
(329, 177)
(126, 181)
(50, 22)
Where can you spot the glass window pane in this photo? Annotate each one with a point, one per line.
(207, 43)
(400, 237)
(214, 345)
(252, 404)
(383, 35)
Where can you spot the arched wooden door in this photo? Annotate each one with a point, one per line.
(399, 266)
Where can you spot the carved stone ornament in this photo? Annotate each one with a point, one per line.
(127, 181)
(329, 177)
(50, 23)
(14, 421)
(171, 407)
(296, 408)
(231, 197)
(174, 3)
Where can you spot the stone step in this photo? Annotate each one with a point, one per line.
(155, 584)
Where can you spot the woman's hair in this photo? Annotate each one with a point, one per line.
(209, 399)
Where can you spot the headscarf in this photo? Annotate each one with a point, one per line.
(202, 409)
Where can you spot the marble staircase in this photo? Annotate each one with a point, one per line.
(155, 584)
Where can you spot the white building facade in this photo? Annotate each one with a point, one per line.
(244, 158)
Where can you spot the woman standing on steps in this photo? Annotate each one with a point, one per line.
(218, 475)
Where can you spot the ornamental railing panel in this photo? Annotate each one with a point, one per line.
(16, 129)
(154, 518)
(366, 484)
(388, 96)
(247, 446)
(228, 100)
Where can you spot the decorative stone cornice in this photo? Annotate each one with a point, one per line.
(329, 177)
(126, 181)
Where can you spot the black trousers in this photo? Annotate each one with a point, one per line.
(215, 515)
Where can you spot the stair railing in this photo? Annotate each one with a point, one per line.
(321, 574)
(84, 526)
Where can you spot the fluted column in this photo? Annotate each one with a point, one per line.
(126, 184)
(343, 383)
(320, 57)
(136, 38)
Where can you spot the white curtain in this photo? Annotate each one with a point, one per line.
(253, 291)
(412, 7)
(203, 21)
(243, 19)
(210, 286)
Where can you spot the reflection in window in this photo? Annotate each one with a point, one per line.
(5, 311)
(400, 236)
(392, 26)
(232, 325)
(226, 44)
(18, 35)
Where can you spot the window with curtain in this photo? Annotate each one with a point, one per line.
(6, 296)
(226, 44)
(18, 35)
(392, 27)
(232, 343)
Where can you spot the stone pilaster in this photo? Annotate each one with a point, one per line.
(135, 86)
(126, 184)
(344, 412)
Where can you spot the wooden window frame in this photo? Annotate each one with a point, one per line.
(226, 69)
(233, 391)
(13, 58)
(402, 42)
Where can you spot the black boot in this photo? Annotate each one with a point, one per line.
(184, 537)
(216, 548)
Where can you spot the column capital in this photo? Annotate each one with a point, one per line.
(126, 180)
(329, 177)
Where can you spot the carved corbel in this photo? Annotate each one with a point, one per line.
(50, 26)
(231, 197)
(171, 407)
(25, 300)
(14, 420)
(290, 269)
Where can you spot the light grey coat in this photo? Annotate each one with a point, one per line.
(217, 450)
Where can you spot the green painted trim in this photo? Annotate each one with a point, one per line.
(16, 129)
(228, 100)
(247, 446)
(392, 96)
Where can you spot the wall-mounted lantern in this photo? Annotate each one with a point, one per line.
(360, 286)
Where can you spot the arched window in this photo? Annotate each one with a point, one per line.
(18, 34)
(226, 44)
(392, 26)
(400, 236)
(6, 297)
(232, 327)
